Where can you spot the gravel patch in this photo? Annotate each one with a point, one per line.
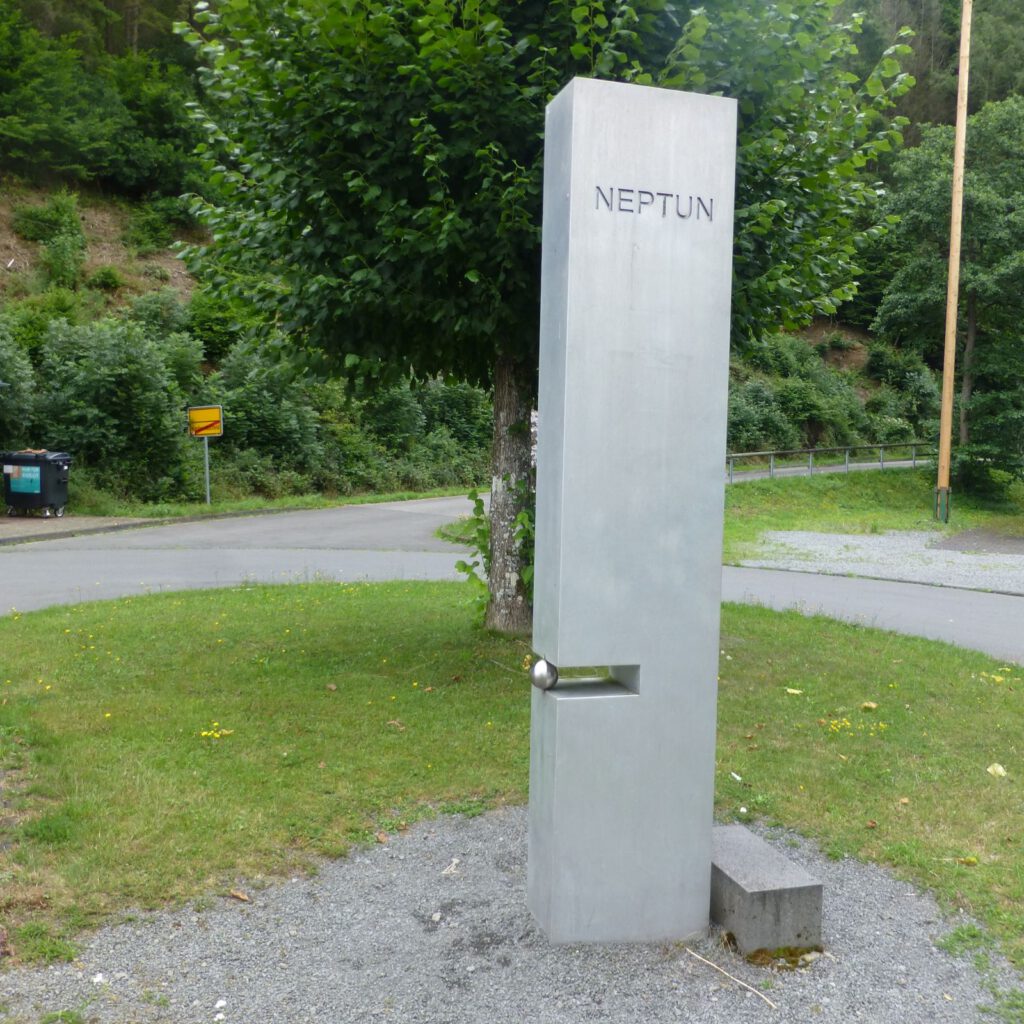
(908, 556)
(433, 927)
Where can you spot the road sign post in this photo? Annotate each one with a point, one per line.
(206, 421)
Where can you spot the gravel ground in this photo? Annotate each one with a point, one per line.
(909, 556)
(433, 927)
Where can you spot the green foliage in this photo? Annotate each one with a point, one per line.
(478, 537)
(120, 121)
(29, 319)
(425, 242)
(997, 52)
(394, 415)
(42, 222)
(17, 401)
(809, 134)
(756, 420)
(161, 312)
(155, 224)
(106, 279)
(58, 226)
(108, 26)
(113, 394)
(459, 407)
(108, 396)
(218, 323)
(378, 167)
(934, 33)
(62, 259)
(992, 276)
(165, 319)
(784, 396)
(906, 373)
(153, 153)
(266, 401)
(287, 433)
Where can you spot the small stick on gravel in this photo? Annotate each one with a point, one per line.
(721, 970)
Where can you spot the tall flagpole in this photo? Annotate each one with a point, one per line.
(942, 492)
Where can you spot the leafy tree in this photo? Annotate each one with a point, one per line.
(991, 348)
(109, 26)
(997, 52)
(380, 173)
(934, 36)
(119, 121)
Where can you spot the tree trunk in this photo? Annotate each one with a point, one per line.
(132, 14)
(508, 610)
(967, 381)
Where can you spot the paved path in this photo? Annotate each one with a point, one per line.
(969, 618)
(396, 540)
(393, 540)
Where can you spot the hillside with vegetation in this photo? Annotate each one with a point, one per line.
(113, 157)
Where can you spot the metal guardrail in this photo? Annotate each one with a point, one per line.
(914, 446)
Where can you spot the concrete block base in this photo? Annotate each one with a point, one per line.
(764, 900)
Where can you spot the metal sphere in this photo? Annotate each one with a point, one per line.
(543, 674)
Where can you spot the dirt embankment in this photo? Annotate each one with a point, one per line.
(104, 223)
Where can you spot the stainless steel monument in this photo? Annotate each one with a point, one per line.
(637, 268)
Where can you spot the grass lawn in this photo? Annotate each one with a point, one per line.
(174, 747)
(862, 502)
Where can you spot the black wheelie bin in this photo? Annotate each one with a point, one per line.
(36, 480)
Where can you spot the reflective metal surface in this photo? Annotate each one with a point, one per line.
(636, 280)
(543, 674)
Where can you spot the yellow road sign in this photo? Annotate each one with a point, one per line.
(206, 420)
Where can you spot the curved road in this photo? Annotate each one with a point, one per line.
(396, 541)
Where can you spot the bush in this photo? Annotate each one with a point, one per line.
(58, 226)
(161, 313)
(108, 397)
(63, 259)
(239, 473)
(154, 225)
(154, 152)
(29, 319)
(465, 411)
(183, 358)
(783, 355)
(757, 421)
(106, 279)
(267, 408)
(58, 216)
(217, 323)
(155, 272)
(18, 400)
(394, 415)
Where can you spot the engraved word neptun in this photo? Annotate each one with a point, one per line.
(642, 201)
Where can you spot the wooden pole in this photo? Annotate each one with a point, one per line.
(942, 491)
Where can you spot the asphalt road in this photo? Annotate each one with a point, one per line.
(396, 541)
(387, 541)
